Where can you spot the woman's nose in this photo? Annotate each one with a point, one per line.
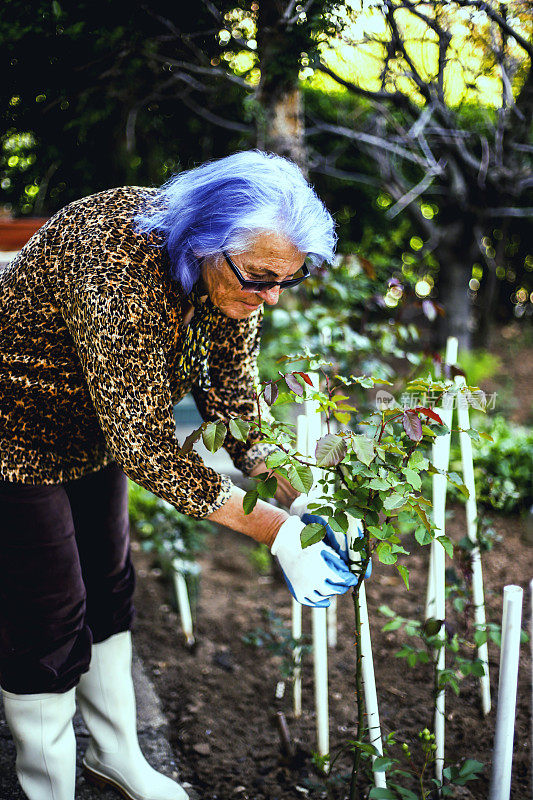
(270, 296)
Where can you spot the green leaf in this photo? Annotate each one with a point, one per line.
(423, 516)
(267, 489)
(471, 767)
(330, 450)
(404, 572)
(383, 763)
(300, 477)
(312, 533)
(379, 484)
(376, 793)
(480, 637)
(474, 435)
(393, 625)
(447, 544)
(432, 626)
(240, 429)
(363, 448)
(393, 500)
(275, 459)
(478, 669)
(457, 481)
(339, 522)
(417, 460)
(385, 554)
(423, 536)
(214, 435)
(413, 478)
(387, 611)
(249, 500)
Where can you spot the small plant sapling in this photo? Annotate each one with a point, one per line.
(372, 473)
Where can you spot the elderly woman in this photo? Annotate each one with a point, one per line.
(122, 303)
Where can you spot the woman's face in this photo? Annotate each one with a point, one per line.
(270, 258)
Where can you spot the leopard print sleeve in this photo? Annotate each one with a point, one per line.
(234, 378)
(117, 336)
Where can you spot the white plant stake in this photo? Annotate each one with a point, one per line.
(471, 526)
(439, 481)
(320, 661)
(331, 612)
(367, 665)
(502, 760)
(436, 597)
(301, 444)
(182, 596)
(320, 643)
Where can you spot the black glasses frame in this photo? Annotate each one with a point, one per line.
(257, 286)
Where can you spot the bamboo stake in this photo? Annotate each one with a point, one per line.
(502, 760)
(471, 526)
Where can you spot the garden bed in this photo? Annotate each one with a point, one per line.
(220, 698)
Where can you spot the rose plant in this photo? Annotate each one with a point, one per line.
(372, 472)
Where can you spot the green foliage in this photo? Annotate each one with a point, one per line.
(478, 365)
(277, 639)
(502, 467)
(260, 558)
(164, 530)
(342, 313)
(411, 762)
(429, 639)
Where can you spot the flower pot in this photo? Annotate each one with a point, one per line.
(14, 233)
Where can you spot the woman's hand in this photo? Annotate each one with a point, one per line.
(313, 574)
(285, 493)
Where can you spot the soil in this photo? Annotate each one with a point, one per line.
(220, 696)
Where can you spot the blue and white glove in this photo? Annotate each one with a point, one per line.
(313, 574)
(337, 541)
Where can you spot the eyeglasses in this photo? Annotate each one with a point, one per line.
(258, 286)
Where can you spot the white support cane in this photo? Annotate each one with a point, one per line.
(182, 597)
(471, 526)
(437, 606)
(446, 416)
(331, 611)
(369, 681)
(502, 759)
(301, 445)
(319, 620)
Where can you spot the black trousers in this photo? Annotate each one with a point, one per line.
(66, 577)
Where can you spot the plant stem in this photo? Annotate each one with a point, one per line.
(354, 793)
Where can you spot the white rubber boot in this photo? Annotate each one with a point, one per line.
(107, 703)
(41, 726)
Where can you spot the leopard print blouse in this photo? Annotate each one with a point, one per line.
(92, 344)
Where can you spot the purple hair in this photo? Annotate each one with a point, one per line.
(225, 204)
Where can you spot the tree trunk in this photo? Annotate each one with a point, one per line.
(454, 274)
(280, 123)
(282, 131)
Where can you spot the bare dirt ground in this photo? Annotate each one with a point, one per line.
(221, 700)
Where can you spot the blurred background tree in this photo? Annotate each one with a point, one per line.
(413, 119)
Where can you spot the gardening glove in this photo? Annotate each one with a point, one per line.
(338, 541)
(312, 574)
